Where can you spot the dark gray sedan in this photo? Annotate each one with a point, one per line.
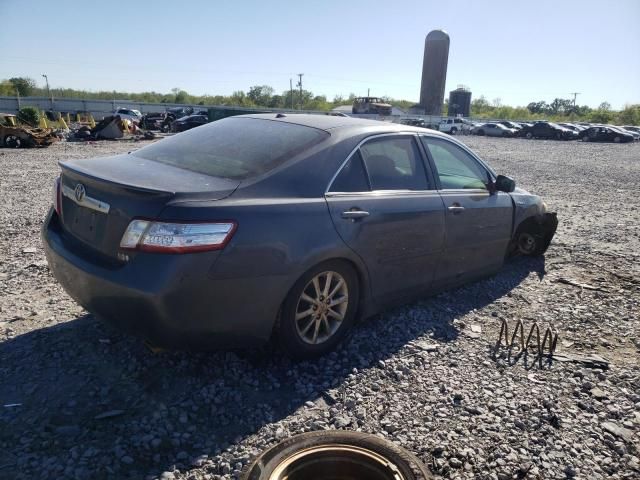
(281, 226)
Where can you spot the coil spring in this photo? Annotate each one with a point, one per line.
(549, 339)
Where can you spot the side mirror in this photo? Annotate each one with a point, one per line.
(505, 184)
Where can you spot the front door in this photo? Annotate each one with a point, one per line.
(478, 222)
(386, 209)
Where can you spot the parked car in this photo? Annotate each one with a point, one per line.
(281, 226)
(371, 105)
(414, 122)
(128, 114)
(187, 123)
(494, 130)
(605, 134)
(571, 126)
(632, 128)
(548, 130)
(455, 125)
(635, 135)
(178, 112)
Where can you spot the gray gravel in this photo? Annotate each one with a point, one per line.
(81, 400)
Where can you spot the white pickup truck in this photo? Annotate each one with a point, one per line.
(455, 125)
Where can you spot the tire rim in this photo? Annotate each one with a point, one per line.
(529, 135)
(342, 461)
(526, 243)
(322, 307)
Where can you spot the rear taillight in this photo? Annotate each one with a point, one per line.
(57, 198)
(176, 237)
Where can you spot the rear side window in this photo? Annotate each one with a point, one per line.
(352, 177)
(234, 148)
(394, 164)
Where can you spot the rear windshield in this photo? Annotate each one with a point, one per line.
(235, 148)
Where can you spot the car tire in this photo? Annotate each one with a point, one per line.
(335, 454)
(454, 130)
(308, 326)
(616, 140)
(481, 132)
(585, 138)
(529, 135)
(531, 242)
(558, 136)
(12, 141)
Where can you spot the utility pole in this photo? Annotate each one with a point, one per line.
(291, 90)
(48, 91)
(575, 94)
(368, 92)
(300, 85)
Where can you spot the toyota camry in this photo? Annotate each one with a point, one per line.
(281, 226)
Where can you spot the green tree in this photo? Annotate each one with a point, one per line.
(260, 95)
(29, 115)
(24, 85)
(629, 115)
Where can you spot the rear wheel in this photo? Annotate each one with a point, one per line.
(12, 141)
(585, 138)
(616, 140)
(529, 135)
(319, 310)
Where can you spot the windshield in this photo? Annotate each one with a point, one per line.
(235, 148)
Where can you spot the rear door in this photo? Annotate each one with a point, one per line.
(478, 222)
(387, 210)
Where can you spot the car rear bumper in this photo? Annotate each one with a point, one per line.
(172, 301)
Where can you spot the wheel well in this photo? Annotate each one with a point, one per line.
(530, 225)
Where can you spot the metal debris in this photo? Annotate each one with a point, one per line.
(549, 340)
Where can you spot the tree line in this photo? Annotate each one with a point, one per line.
(265, 96)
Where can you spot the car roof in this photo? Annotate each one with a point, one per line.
(332, 123)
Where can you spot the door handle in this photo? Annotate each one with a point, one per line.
(456, 208)
(354, 214)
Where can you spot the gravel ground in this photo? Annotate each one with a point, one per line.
(81, 400)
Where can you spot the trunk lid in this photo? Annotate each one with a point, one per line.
(100, 196)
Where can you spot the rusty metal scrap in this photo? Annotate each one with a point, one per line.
(546, 346)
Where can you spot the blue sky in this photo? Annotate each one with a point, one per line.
(512, 50)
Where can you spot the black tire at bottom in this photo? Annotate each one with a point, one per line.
(402, 461)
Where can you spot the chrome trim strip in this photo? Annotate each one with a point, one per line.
(413, 134)
(86, 201)
(385, 193)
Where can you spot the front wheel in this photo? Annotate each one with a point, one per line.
(319, 310)
(585, 138)
(558, 136)
(529, 135)
(616, 140)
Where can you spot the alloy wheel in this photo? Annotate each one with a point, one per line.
(322, 307)
(12, 141)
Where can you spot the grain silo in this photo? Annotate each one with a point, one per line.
(434, 72)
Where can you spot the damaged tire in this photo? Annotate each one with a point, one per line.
(12, 141)
(336, 454)
(534, 237)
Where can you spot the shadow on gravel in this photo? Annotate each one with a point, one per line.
(94, 403)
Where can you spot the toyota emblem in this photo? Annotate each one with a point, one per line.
(79, 192)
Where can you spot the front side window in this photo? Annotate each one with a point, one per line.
(394, 163)
(456, 168)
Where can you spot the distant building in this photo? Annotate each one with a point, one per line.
(460, 102)
(434, 72)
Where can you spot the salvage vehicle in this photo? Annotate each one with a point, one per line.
(153, 121)
(512, 125)
(283, 226)
(371, 105)
(494, 130)
(189, 122)
(548, 130)
(605, 134)
(14, 135)
(634, 134)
